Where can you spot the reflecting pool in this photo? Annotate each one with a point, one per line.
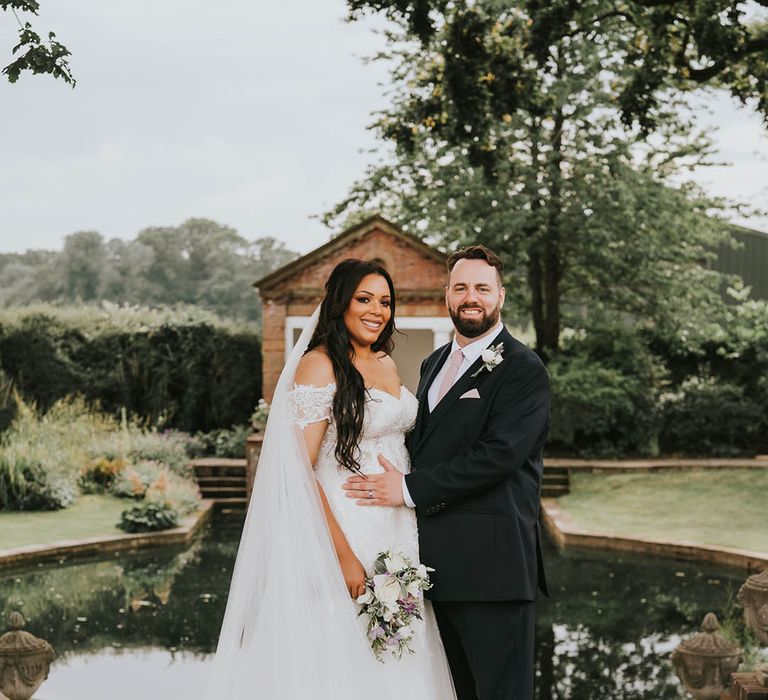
(145, 624)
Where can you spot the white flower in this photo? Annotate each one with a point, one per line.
(414, 588)
(366, 598)
(387, 590)
(491, 357)
(395, 563)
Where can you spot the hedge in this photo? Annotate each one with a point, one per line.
(178, 368)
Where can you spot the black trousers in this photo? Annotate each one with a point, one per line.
(490, 648)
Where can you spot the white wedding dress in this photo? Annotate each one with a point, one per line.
(291, 630)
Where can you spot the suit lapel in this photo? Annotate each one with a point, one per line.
(429, 376)
(428, 421)
(423, 390)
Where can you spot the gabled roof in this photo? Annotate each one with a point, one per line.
(736, 228)
(373, 223)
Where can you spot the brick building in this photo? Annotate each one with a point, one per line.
(290, 294)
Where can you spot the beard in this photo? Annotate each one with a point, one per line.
(474, 327)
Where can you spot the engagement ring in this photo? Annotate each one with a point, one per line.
(370, 494)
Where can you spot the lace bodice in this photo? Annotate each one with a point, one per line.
(311, 404)
(369, 529)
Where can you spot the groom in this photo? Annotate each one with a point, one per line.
(476, 453)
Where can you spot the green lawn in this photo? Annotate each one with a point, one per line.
(89, 516)
(725, 507)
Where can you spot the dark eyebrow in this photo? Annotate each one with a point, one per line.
(363, 291)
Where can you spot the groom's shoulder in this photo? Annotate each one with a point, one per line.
(524, 358)
(436, 353)
(432, 357)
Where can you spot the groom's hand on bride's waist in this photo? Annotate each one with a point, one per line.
(377, 489)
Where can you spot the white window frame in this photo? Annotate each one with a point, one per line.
(441, 327)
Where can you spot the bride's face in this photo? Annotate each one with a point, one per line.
(369, 310)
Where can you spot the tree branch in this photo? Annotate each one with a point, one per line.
(702, 75)
(597, 20)
(655, 3)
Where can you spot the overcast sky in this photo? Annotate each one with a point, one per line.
(253, 114)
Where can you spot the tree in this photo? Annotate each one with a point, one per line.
(124, 277)
(202, 262)
(40, 57)
(199, 262)
(672, 44)
(579, 205)
(82, 266)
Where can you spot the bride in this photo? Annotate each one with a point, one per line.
(291, 628)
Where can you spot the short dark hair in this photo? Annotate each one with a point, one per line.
(477, 252)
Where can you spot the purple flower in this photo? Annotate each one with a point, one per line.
(376, 633)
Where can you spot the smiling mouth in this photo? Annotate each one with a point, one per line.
(373, 325)
(472, 312)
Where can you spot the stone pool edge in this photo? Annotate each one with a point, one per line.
(565, 534)
(107, 544)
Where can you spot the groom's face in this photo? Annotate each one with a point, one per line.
(474, 297)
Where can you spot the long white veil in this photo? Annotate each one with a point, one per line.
(290, 629)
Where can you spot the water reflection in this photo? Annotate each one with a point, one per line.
(612, 623)
(145, 624)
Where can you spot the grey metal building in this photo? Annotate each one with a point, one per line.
(749, 261)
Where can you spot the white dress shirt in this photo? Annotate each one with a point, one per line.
(471, 352)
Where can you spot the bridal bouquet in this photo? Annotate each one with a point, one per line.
(393, 599)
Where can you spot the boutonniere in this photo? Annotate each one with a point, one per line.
(491, 356)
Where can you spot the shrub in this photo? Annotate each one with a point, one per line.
(41, 456)
(7, 402)
(175, 368)
(183, 495)
(603, 396)
(153, 482)
(169, 447)
(100, 474)
(26, 483)
(221, 443)
(135, 479)
(260, 414)
(148, 517)
(44, 458)
(707, 417)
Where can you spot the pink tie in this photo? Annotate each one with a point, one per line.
(457, 357)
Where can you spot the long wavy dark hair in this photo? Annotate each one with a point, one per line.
(331, 333)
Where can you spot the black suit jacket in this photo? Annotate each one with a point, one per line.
(476, 477)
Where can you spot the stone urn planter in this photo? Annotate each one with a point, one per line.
(705, 662)
(24, 661)
(753, 597)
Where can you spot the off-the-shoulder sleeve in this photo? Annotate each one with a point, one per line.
(310, 404)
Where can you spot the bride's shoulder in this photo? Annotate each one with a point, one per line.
(387, 361)
(315, 369)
